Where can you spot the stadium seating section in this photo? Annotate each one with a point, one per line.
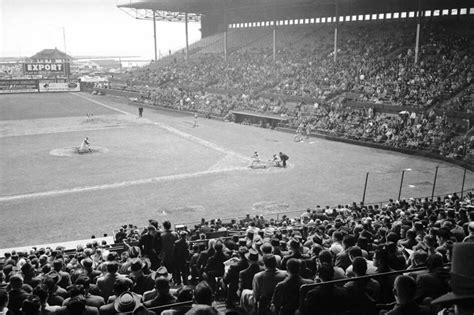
(375, 69)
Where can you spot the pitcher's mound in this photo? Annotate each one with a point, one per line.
(75, 151)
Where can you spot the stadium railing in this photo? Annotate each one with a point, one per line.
(308, 287)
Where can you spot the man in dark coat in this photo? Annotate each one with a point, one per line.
(231, 278)
(246, 275)
(181, 254)
(215, 265)
(326, 298)
(163, 297)
(150, 246)
(286, 296)
(434, 283)
(16, 295)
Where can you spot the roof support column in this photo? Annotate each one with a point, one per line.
(154, 34)
(274, 31)
(225, 43)
(335, 33)
(417, 43)
(186, 31)
(274, 40)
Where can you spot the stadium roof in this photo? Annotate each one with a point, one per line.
(251, 9)
(51, 54)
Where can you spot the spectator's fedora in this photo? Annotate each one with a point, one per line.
(56, 276)
(462, 275)
(136, 265)
(126, 302)
(252, 255)
(162, 272)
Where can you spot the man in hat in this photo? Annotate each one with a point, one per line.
(246, 275)
(163, 295)
(56, 294)
(181, 252)
(160, 272)
(142, 281)
(462, 281)
(231, 277)
(65, 277)
(127, 302)
(150, 245)
(168, 239)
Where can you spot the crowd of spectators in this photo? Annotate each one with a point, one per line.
(429, 132)
(374, 64)
(258, 266)
(372, 60)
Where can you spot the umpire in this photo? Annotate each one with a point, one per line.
(283, 158)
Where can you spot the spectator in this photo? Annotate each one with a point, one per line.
(326, 298)
(215, 265)
(106, 282)
(168, 239)
(16, 294)
(231, 277)
(150, 245)
(286, 294)
(182, 258)
(364, 292)
(82, 284)
(462, 294)
(264, 284)
(142, 281)
(3, 302)
(77, 306)
(163, 296)
(404, 290)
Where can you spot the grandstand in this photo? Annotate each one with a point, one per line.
(378, 90)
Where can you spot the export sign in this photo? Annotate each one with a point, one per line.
(18, 86)
(51, 68)
(45, 86)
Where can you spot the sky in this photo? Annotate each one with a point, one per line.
(92, 27)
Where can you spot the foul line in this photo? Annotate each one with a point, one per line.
(118, 184)
(175, 131)
(102, 104)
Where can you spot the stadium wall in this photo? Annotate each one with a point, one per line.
(17, 86)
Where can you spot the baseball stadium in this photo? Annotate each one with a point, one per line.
(303, 157)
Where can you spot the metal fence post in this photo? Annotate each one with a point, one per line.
(463, 180)
(434, 183)
(365, 187)
(401, 185)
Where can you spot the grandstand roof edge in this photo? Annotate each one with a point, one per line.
(243, 6)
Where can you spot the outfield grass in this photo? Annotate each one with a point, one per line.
(161, 167)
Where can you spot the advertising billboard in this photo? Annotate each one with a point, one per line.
(46, 68)
(46, 86)
(11, 70)
(18, 86)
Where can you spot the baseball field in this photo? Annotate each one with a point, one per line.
(161, 167)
